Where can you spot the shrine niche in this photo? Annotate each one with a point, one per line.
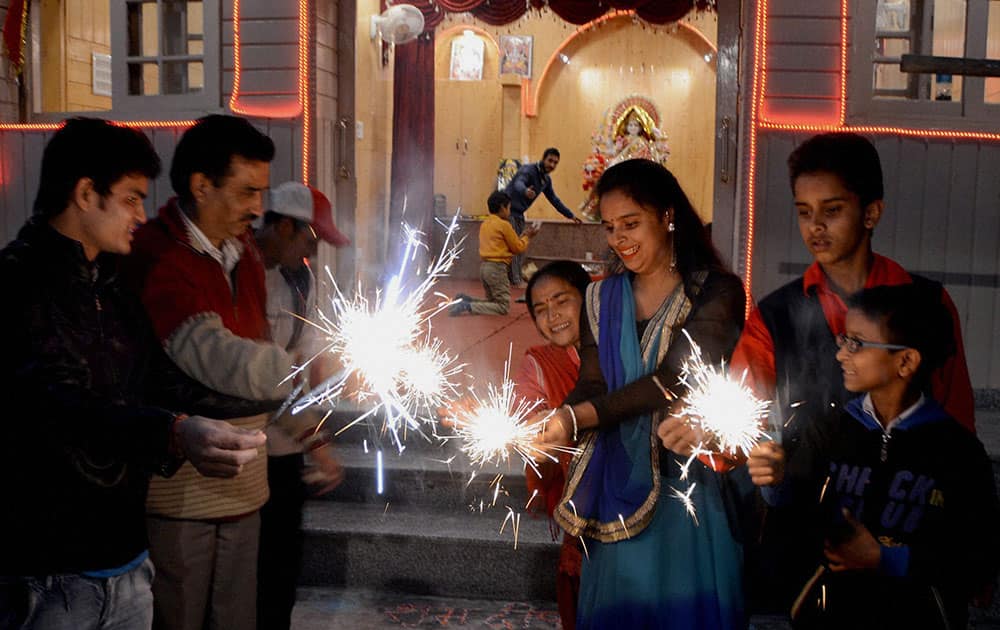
(629, 130)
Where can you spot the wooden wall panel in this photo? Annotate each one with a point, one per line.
(269, 43)
(783, 29)
(803, 9)
(809, 56)
(803, 58)
(940, 220)
(14, 206)
(71, 32)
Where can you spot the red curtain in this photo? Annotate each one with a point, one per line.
(578, 11)
(664, 11)
(500, 12)
(459, 6)
(412, 177)
(13, 33)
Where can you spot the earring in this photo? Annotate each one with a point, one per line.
(670, 226)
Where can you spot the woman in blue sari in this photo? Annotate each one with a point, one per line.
(649, 563)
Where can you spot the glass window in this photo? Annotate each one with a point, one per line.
(176, 28)
(944, 30)
(923, 27)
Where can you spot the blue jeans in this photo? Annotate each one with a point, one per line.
(77, 602)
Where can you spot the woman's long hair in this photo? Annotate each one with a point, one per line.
(654, 187)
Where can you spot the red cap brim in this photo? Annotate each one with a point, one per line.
(323, 221)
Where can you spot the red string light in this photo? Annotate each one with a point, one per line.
(756, 97)
(304, 43)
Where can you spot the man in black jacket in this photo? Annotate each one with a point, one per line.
(530, 181)
(78, 437)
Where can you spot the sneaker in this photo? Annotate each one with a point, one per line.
(463, 297)
(459, 308)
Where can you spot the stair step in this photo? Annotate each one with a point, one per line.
(443, 478)
(429, 552)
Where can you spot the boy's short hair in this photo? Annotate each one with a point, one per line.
(849, 156)
(208, 147)
(911, 316)
(550, 151)
(95, 149)
(496, 201)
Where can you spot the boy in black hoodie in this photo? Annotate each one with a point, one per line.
(899, 498)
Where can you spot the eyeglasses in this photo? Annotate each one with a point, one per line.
(853, 344)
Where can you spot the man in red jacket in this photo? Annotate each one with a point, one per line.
(201, 279)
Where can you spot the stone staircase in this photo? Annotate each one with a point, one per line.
(435, 535)
(433, 530)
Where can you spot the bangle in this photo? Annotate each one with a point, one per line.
(572, 415)
(663, 390)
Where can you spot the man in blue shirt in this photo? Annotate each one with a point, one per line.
(530, 181)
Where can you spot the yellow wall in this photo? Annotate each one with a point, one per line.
(608, 63)
(373, 152)
(572, 103)
(615, 61)
(71, 31)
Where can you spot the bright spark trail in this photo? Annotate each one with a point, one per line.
(732, 418)
(491, 427)
(385, 345)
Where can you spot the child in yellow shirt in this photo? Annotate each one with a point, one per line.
(498, 244)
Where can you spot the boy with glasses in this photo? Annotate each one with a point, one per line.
(899, 499)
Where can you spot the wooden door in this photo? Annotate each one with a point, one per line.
(727, 220)
(481, 142)
(448, 142)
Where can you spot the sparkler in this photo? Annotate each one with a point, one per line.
(385, 344)
(491, 427)
(725, 409)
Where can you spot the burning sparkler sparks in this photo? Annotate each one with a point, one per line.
(385, 345)
(685, 498)
(725, 409)
(491, 427)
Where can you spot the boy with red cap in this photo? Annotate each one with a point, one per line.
(298, 217)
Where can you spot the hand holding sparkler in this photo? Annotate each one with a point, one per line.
(679, 435)
(557, 427)
(214, 447)
(560, 428)
(501, 422)
(384, 346)
(767, 464)
(731, 417)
